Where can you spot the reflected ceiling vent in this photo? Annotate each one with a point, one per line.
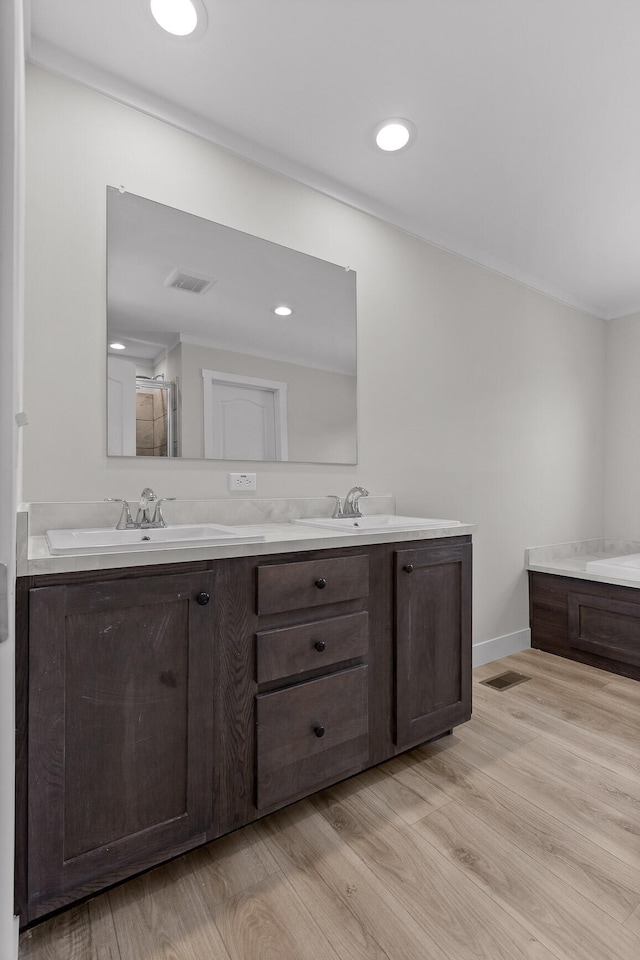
(189, 282)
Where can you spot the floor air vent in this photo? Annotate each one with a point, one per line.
(505, 680)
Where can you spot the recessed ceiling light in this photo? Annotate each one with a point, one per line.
(283, 311)
(117, 346)
(179, 17)
(394, 134)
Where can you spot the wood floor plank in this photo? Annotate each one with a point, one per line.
(615, 784)
(336, 909)
(509, 736)
(403, 773)
(585, 866)
(627, 691)
(540, 663)
(613, 755)
(466, 924)
(269, 921)
(228, 866)
(514, 710)
(408, 803)
(547, 789)
(569, 925)
(633, 923)
(591, 709)
(162, 915)
(621, 791)
(85, 932)
(311, 845)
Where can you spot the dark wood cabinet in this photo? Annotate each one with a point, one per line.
(595, 623)
(159, 708)
(433, 641)
(119, 729)
(311, 707)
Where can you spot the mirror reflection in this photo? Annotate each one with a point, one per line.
(223, 345)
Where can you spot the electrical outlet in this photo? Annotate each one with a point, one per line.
(242, 481)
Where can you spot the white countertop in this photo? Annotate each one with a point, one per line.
(278, 538)
(570, 559)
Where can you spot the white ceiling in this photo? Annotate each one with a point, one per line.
(147, 242)
(528, 115)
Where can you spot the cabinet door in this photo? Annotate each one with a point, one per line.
(432, 641)
(120, 728)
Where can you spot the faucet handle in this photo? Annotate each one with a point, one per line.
(337, 510)
(158, 519)
(126, 520)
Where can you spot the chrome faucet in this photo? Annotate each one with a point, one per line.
(143, 517)
(350, 507)
(146, 517)
(126, 521)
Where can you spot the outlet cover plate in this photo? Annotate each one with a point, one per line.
(239, 482)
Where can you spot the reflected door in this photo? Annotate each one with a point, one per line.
(121, 408)
(244, 418)
(246, 422)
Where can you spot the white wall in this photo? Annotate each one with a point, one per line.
(622, 431)
(478, 398)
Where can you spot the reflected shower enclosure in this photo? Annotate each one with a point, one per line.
(142, 413)
(155, 418)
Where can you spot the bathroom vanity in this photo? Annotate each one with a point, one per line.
(163, 705)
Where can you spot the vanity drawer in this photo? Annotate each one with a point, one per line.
(323, 643)
(310, 734)
(293, 586)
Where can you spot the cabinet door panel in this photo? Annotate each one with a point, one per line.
(433, 641)
(606, 627)
(120, 725)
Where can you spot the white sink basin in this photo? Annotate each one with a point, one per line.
(109, 540)
(376, 523)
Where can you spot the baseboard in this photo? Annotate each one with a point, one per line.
(491, 650)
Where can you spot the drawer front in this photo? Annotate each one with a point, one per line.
(293, 758)
(309, 646)
(293, 586)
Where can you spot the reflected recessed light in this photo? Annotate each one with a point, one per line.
(394, 134)
(117, 346)
(283, 311)
(179, 17)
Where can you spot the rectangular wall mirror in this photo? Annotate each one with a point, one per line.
(224, 346)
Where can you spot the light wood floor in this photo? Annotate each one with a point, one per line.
(517, 837)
